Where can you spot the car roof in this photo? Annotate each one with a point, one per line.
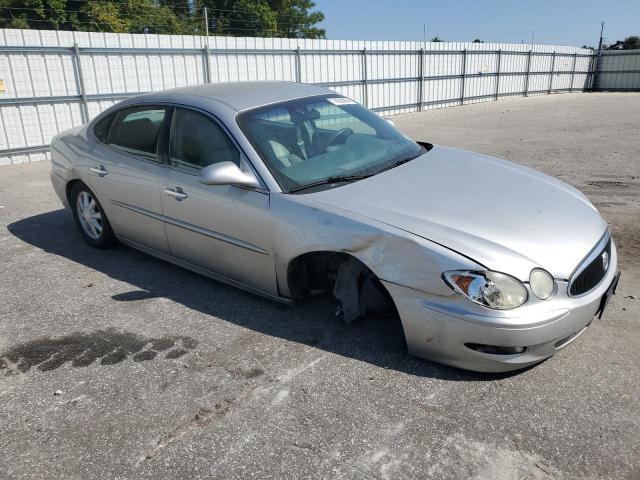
(244, 95)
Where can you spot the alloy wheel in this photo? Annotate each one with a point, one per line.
(89, 215)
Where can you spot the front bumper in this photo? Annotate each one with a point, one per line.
(438, 328)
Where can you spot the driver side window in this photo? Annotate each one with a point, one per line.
(197, 141)
(335, 118)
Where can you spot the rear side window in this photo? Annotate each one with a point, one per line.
(197, 141)
(101, 129)
(135, 130)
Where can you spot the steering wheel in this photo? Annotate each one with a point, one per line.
(341, 135)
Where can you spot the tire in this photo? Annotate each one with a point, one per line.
(90, 218)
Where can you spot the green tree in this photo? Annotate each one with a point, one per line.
(247, 18)
(133, 16)
(477, 40)
(631, 43)
(106, 16)
(268, 18)
(130, 16)
(437, 39)
(43, 14)
(296, 18)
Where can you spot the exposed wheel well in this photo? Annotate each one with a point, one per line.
(351, 282)
(313, 271)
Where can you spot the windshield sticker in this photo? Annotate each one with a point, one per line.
(341, 101)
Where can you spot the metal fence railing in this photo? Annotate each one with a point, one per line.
(617, 70)
(51, 88)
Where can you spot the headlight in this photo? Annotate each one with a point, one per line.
(489, 289)
(542, 284)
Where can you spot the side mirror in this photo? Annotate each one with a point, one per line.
(227, 173)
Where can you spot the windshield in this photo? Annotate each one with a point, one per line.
(320, 140)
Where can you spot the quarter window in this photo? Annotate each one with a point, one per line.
(101, 128)
(135, 130)
(197, 141)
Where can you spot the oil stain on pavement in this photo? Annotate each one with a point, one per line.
(111, 346)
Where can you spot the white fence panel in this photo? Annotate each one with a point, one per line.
(619, 70)
(50, 86)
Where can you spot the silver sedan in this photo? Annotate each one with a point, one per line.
(287, 190)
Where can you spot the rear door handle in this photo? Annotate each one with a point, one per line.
(178, 194)
(101, 171)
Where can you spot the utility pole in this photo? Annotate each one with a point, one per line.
(533, 36)
(594, 77)
(601, 38)
(424, 33)
(206, 24)
(207, 63)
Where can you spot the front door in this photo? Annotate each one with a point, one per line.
(224, 229)
(127, 176)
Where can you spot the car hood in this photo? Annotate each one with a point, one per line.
(504, 216)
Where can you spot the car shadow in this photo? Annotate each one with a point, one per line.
(377, 341)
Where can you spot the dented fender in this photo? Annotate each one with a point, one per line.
(393, 255)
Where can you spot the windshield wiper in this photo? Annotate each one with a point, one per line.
(330, 180)
(353, 178)
(400, 162)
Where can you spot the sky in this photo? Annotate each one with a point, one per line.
(559, 22)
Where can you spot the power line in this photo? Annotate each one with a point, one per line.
(99, 23)
(553, 28)
(151, 15)
(256, 13)
(179, 7)
(74, 21)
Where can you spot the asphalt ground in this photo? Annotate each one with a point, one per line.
(118, 365)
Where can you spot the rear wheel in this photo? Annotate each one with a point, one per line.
(90, 218)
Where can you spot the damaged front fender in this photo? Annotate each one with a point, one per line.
(393, 255)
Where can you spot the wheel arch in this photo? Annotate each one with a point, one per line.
(350, 280)
(69, 187)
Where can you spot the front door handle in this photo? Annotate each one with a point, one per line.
(101, 171)
(178, 193)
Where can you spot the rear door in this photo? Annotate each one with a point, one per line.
(224, 229)
(127, 175)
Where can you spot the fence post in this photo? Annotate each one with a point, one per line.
(365, 80)
(573, 71)
(207, 66)
(84, 109)
(498, 74)
(421, 80)
(526, 79)
(298, 66)
(594, 70)
(464, 72)
(592, 62)
(553, 66)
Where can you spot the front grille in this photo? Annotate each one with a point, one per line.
(592, 274)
